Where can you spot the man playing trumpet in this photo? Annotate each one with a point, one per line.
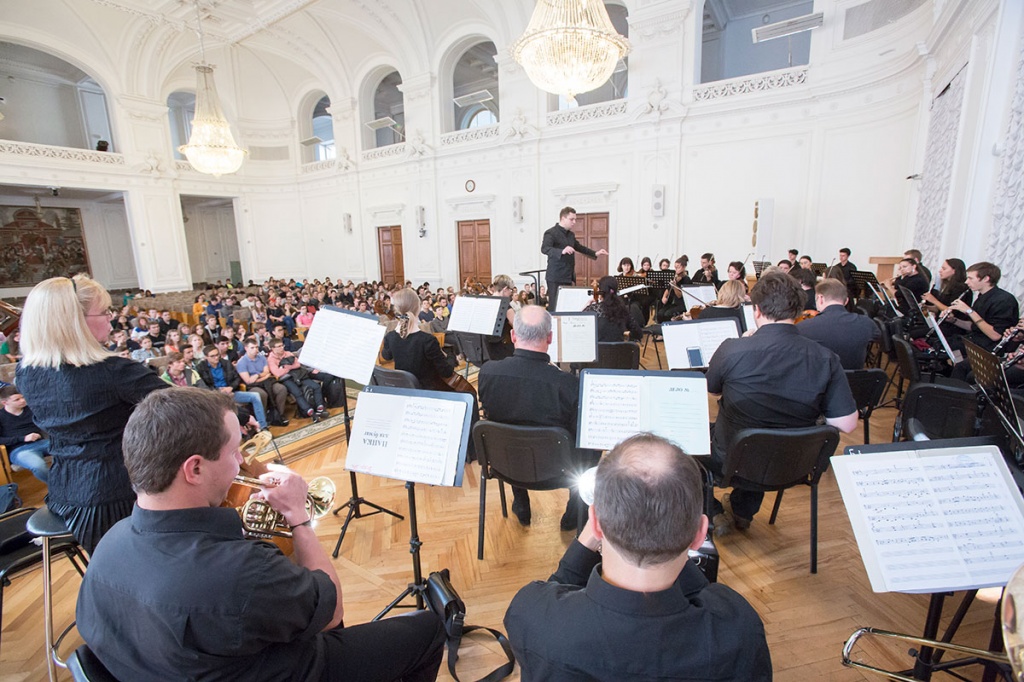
(176, 592)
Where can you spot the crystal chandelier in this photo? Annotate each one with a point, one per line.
(211, 147)
(569, 47)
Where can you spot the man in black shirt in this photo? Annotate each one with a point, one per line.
(560, 246)
(26, 444)
(844, 270)
(844, 333)
(708, 273)
(773, 379)
(199, 601)
(527, 390)
(993, 311)
(626, 603)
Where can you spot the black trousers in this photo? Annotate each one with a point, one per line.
(407, 647)
(553, 293)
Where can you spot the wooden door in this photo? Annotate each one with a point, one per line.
(475, 250)
(592, 231)
(389, 245)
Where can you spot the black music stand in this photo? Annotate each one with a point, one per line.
(991, 377)
(759, 266)
(535, 274)
(627, 281)
(660, 279)
(819, 269)
(861, 278)
(371, 460)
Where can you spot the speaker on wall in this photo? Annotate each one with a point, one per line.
(658, 201)
(346, 222)
(517, 209)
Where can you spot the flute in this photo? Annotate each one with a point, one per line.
(1011, 333)
(949, 309)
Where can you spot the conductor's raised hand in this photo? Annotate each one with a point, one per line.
(602, 252)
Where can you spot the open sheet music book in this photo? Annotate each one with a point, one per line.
(749, 324)
(689, 344)
(410, 435)
(699, 294)
(954, 356)
(344, 343)
(573, 299)
(617, 404)
(483, 315)
(573, 337)
(933, 516)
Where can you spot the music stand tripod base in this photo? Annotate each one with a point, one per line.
(356, 501)
(418, 585)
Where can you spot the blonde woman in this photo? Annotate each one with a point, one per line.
(415, 351)
(81, 395)
(730, 297)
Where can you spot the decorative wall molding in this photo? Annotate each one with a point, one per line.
(386, 212)
(937, 174)
(417, 87)
(389, 152)
(761, 82)
(518, 128)
(317, 166)
(45, 151)
(1006, 240)
(458, 204)
(470, 135)
(661, 26)
(592, 112)
(140, 109)
(597, 192)
(183, 166)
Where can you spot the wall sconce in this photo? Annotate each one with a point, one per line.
(346, 222)
(421, 221)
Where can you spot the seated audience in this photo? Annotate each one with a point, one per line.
(626, 602)
(198, 601)
(220, 375)
(296, 379)
(26, 444)
(178, 373)
(255, 372)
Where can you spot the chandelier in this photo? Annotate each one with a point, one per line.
(569, 47)
(211, 147)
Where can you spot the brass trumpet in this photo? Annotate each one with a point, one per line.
(261, 522)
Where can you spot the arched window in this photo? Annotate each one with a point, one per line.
(51, 101)
(617, 86)
(388, 123)
(475, 87)
(181, 109)
(728, 51)
(323, 130)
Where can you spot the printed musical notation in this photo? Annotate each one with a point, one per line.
(407, 438)
(934, 520)
(707, 335)
(476, 315)
(343, 343)
(616, 406)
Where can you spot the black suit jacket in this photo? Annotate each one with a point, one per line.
(230, 374)
(561, 266)
(844, 333)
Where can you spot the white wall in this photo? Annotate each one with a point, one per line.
(43, 112)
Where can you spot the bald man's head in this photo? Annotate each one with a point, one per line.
(532, 328)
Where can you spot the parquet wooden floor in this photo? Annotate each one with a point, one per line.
(807, 617)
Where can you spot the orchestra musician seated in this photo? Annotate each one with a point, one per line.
(176, 592)
(626, 603)
(727, 305)
(413, 350)
(613, 317)
(844, 333)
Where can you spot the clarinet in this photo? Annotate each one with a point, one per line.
(1014, 332)
(946, 313)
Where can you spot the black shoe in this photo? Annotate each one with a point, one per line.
(316, 418)
(279, 422)
(522, 512)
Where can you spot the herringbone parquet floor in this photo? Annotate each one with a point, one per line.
(807, 617)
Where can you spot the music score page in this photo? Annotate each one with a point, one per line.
(406, 438)
(476, 315)
(573, 299)
(573, 338)
(615, 406)
(707, 335)
(934, 520)
(343, 343)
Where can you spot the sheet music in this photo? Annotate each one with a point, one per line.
(573, 299)
(573, 337)
(617, 405)
(953, 356)
(406, 438)
(705, 292)
(707, 335)
(934, 520)
(344, 344)
(475, 315)
(748, 317)
(629, 290)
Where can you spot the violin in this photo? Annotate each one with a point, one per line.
(806, 315)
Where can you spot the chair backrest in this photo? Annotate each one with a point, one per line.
(84, 666)
(908, 366)
(774, 459)
(868, 306)
(867, 386)
(637, 314)
(533, 457)
(396, 378)
(617, 355)
(943, 411)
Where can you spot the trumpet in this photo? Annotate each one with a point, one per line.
(261, 522)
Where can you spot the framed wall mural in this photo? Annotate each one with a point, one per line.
(39, 243)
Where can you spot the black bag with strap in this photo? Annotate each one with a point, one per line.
(446, 603)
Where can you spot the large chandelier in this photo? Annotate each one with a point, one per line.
(569, 47)
(211, 147)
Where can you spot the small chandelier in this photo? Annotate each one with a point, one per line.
(569, 47)
(211, 147)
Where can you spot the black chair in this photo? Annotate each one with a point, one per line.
(531, 457)
(18, 553)
(942, 411)
(868, 386)
(651, 332)
(396, 378)
(617, 355)
(909, 366)
(777, 459)
(85, 667)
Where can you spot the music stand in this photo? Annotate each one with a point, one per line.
(934, 325)
(913, 304)
(861, 278)
(535, 274)
(759, 266)
(660, 279)
(883, 297)
(991, 378)
(629, 282)
(321, 351)
(819, 269)
(381, 449)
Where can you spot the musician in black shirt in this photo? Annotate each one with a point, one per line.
(560, 246)
(993, 311)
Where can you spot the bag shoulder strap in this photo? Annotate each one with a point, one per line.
(499, 673)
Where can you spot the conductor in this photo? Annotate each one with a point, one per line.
(560, 246)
